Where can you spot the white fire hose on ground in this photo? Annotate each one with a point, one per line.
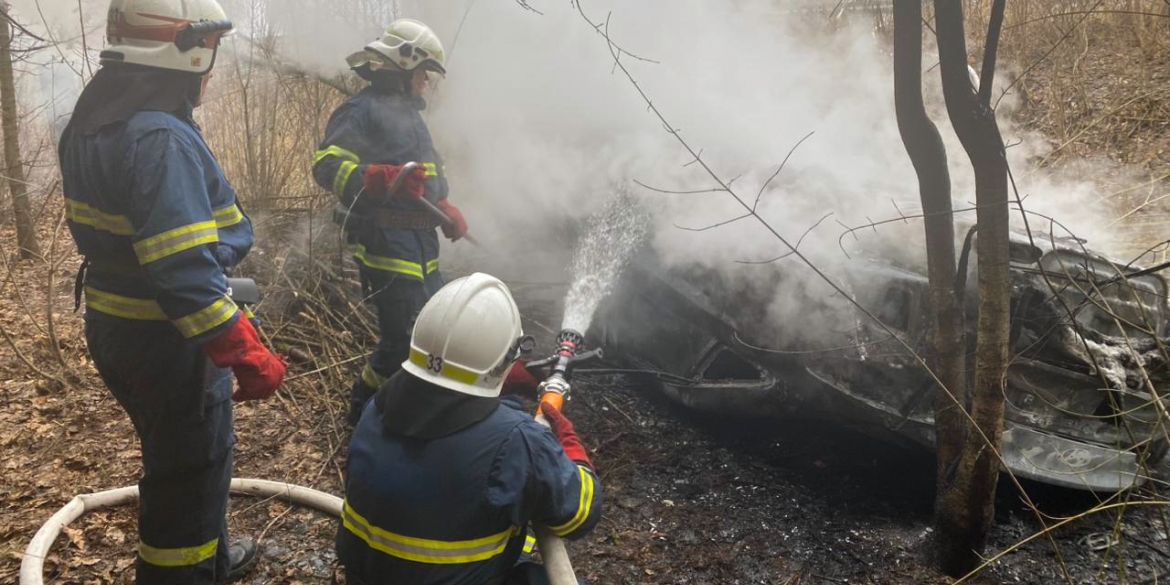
(32, 566)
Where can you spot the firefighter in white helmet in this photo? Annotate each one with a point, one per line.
(444, 475)
(159, 226)
(390, 232)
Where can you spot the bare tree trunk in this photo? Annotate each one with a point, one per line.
(26, 238)
(926, 151)
(966, 501)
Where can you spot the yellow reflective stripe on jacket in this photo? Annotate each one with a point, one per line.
(227, 216)
(339, 181)
(445, 370)
(124, 307)
(175, 241)
(80, 213)
(432, 266)
(529, 543)
(583, 506)
(430, 169)
(177, 557)
(386, 263)
(424, 550)
(336, 151)
(371, 378)
(206, 319)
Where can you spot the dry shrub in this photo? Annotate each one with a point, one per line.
(1094, 76)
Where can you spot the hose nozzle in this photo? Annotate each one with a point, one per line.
(570, 349)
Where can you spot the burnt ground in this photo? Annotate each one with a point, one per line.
(688, 499)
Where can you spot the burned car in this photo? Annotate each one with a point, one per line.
(1088, 347)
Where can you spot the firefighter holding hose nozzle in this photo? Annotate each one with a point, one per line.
(159, 225)
(370, 141)
(445, 475)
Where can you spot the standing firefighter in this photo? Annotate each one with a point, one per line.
(158, 224)
(390, 232)
(444, 476)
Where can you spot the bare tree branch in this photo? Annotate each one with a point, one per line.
(24, 30)
(780, 168)
(714, 225)
(798, 243)
(670, 192)
(614, 48)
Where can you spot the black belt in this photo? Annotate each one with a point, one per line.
(240, 290)
(353, 220)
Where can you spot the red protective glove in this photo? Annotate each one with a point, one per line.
(258, 371)
(519, 380)
(566, 435)
(459, 229)
(380, 177)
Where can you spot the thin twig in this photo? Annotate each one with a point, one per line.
(616, 50)
(780, 168)
(714, 225)
(798, 243)
(669, 192)
(50, 296)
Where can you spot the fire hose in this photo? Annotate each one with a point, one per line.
(32, 565)
(554, 391)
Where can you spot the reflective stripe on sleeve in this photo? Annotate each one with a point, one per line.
(335, 151)
(584, 505)
(339, 181)
(227, 216)
(175, 241)
(442, 368)
(424, 550)
(430, 169)
(529, 543)
(122, 306)
(371, 378)
(177, 557)
(432, 266)
(206, 319)
(82, 214)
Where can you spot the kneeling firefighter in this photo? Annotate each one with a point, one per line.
(391, 234)
(444, 476)
(159, 226)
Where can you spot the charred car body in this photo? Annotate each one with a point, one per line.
(1082, 406)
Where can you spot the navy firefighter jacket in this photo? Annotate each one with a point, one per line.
(454, 510)
(380, 127)
(157, 221)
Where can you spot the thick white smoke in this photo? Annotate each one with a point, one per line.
(537, 127)
(537, 124)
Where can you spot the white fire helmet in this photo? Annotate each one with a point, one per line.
(467, 336)
(182, 35)
(406, 45)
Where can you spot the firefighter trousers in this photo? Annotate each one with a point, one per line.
(179, 403)
(397, 298)
(524, 573)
